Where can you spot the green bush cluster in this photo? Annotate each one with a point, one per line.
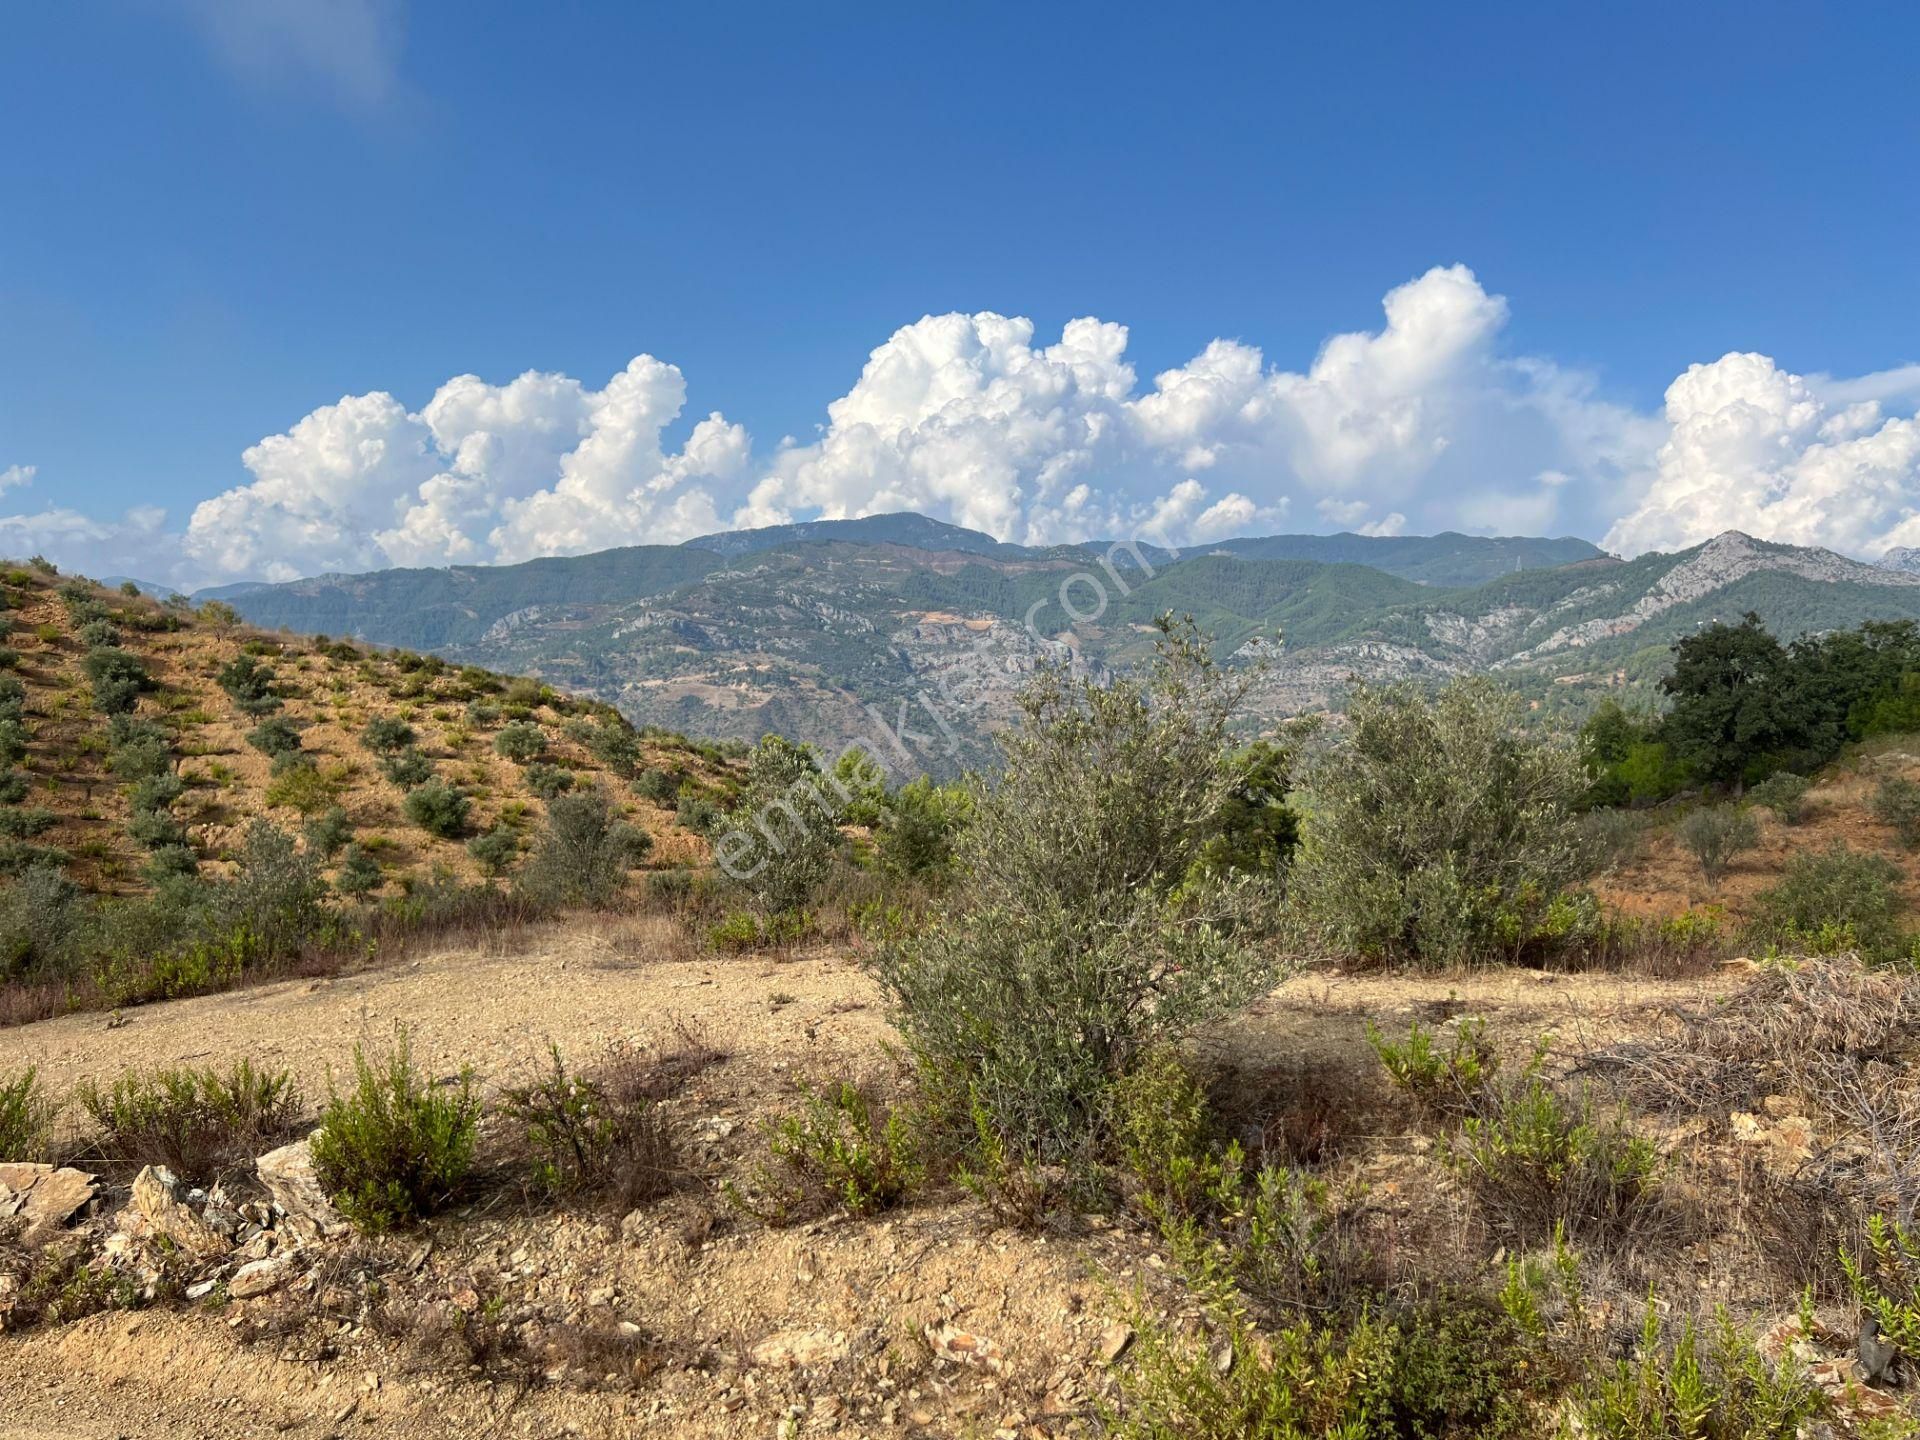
(1082, 929)
(583, 853)
(1896, 804)
(1742, 706)
(1785, 794)
(249, 683)
(841, 1150)
(26, 1118)
(395, 1148)
(439, 809)
(521, 741)
(196, 1122)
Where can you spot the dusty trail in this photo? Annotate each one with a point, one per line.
(492, 1009)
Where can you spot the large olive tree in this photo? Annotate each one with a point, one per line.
(1437, 829)
(1081, 927)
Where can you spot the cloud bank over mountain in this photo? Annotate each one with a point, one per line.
(1423, 423)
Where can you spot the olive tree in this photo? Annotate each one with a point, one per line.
(1437, 829)
(1081, 929)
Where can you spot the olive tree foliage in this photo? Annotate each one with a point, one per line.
(1437, 829)
(1081, 930)
(783, 833)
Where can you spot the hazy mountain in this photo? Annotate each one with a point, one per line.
(1444, 559)
(1902, 557)
(902, 528)
(823, 638)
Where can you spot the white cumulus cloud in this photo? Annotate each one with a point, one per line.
(542, 465)
(1753, 447)
(1420, 424)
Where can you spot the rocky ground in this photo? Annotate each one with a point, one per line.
(685, 1317)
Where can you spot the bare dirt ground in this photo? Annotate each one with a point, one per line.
(815, 1328)
(1662, 879)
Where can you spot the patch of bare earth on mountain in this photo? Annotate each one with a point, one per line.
(686, 1317)
(1664, 879)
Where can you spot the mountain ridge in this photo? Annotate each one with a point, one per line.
(812, 637)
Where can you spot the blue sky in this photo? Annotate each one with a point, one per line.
(224, 216)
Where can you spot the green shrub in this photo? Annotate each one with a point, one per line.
(783, 833)
(396, 1148)
(1241, 1383)
(13, 741)
(276, 736)
(276, 895)
(387, 735)
(697, 813)
(305, 787)
(1687, 1390)
(196, 1122)
(1785, 794)
(1610, 838)
(359, 872)
(583, 852)
(659, 786)
(439, 809)
(521, 741)
(839, 1151)
(1833, 900)
(1079, 935)
(1434, 822)
(614, 743)
(1274, 1235)
(1885, 1280)
(738, 931)
(26, 1118)
(328, 832)
(156, 830)
(97, 633)
(155, 794)
(119, 678)
(496, 850)
(1713, 835)
(1896, 804)
(407, 768)
(921, 823)
(26, 824)
(1448, 1084)
(1539, 1163)
(249, 684)
(547, 781)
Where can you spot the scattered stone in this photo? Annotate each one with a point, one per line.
(960, 1347)
(158, 1210)
(800, 1349)
(1114, 1341)
(290, 1178)
(259, 1277)
(44, 1196)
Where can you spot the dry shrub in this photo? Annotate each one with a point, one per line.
(1839, 1040)
(196, 1122)
(1815, 1028)
(604, 1132)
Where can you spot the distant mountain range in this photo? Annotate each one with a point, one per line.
(914, 634)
